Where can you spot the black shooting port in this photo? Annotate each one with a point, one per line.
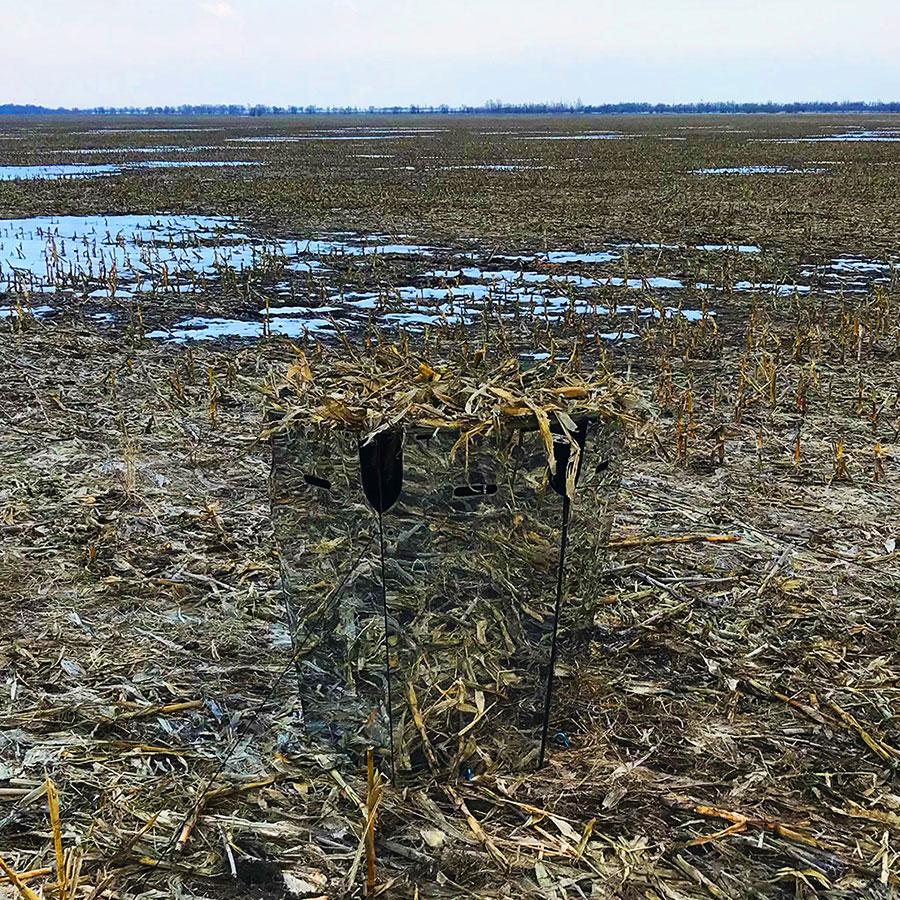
(381, 475)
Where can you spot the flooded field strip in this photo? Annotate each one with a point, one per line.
(299, 287)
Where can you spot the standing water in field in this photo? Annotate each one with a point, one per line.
(756, 170)
(78, 170)
(286, 285)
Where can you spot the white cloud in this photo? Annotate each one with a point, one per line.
(220, 9)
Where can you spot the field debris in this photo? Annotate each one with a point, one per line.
(472, 393)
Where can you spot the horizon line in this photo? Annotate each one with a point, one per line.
(490, 106)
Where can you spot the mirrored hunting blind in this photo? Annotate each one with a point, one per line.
(431, 508)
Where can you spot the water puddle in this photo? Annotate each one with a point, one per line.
(187, 164)
(860, 264)
(12, 312)
(146, 130)
(728, 248)
(512, 276)
(142, 253)
(701, 248)
(51, 173)
(137, 252)
(567, 257)
(497, 167)
(756, 170)
(317, 320)
(879, 135)
(779, 290)
(592, 136)
(454, 309)
(78, 170)
(562, 257)
(159, 148)
(367, 245)
(394, 129)
(200, 328)
(852, 274)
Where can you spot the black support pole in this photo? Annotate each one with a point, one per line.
(554, 646)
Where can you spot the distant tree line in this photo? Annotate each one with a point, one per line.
(492, 107)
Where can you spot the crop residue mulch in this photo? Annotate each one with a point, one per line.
(731, 731)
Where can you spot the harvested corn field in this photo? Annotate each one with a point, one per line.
(189, 353)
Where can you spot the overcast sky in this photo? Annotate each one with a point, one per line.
(384, 52)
